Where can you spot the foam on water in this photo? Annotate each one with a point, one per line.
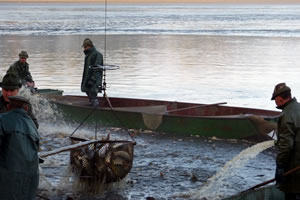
(41, 107)
(216, 187)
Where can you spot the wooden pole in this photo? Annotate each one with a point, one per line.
(81, 144)
(272, 180)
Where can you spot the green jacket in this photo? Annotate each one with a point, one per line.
(92, 57)
(288, 144)
(3, 109)
(19, 143)
(22, 71)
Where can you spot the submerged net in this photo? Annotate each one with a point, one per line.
(99, 164)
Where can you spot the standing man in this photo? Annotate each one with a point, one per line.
(21, 69)
(288, 144)
(92, 73)
(19, 144)
(10, 87)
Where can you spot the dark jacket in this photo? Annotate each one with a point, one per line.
(3, 105)
(92, 57)
(288, 144)
(22, 71)
(3, 109)
(19, 143)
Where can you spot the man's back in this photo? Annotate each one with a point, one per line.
(19, 143)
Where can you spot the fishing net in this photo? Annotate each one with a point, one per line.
(264, 127)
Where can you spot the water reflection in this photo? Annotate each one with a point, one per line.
(239, 70)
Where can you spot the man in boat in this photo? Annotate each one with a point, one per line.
(10, 87)
(288, 143)
(92, 73)
(21, 69)
(19, 144)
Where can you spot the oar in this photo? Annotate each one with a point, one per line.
(272, 180)
(193, 107)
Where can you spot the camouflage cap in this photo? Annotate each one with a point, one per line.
(87, 42)
(23, 54)
(10, 82)
(18, 99)
(279, 89)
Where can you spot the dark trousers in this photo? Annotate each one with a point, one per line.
(292, 196)
(92, 94)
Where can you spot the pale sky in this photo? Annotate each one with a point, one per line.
(162, 1)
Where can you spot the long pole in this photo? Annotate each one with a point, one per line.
(79, 145)
(272, 180)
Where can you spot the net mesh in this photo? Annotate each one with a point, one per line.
(102, 163)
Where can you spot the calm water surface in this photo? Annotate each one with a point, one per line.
(207, 69)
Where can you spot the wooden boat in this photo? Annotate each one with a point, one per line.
(264, 193)
(178, 118)
(45, 92)
(49, 92)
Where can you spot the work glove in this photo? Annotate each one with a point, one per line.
(279, 177)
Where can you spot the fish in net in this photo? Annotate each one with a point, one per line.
(101, 163)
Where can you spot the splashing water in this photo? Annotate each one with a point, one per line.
(41, 107)
(216, 187)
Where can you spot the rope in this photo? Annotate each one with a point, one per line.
(105, 22)
(111, 108)
(83, 121)
(104, 85)
(105, 33)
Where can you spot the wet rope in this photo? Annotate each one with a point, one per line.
(104, 86)
(116, 116)
(105, 29)
(83, 121)
(105, 40)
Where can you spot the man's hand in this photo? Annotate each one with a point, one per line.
(30, 84)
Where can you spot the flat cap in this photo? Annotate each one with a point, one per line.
(23, 54)
(279, 89)
(19, 99)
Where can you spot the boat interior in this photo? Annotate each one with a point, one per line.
(166, 107)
